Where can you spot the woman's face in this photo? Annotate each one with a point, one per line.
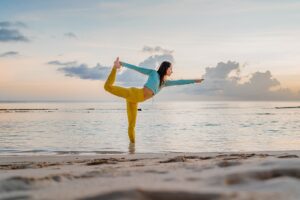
(169, 71)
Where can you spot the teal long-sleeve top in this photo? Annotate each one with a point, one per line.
(153, 78)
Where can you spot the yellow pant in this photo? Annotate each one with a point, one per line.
(132, 95)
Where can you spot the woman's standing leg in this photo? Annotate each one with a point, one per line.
(131, 114)
(132, 96)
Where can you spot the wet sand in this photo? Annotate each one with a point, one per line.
(174, 176)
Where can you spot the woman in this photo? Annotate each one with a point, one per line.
(156, 81)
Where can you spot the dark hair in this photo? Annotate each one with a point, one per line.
(162, 70)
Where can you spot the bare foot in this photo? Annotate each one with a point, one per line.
(117, 64)
(199, 80)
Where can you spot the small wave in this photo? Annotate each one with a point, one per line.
(288, 107)
(104, 109)
(210, 124)
(10, 110)
(273, 130)
(89, 152)
(265, 113)
(48, 152)
(25, 110)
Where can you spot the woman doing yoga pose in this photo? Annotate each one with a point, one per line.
(156, 81)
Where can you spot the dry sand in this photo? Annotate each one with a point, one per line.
(174, 176)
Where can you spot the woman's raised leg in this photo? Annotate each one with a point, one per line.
(116, 90)
(131, 114)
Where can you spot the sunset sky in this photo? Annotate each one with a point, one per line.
(63, 49)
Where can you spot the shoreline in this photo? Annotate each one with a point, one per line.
(99, 152)
(206, 175)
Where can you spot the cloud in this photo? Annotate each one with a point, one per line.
(126, 77)
(99, 72)
(70, 35)
(9, 53)
(56, 62)
(82, 71)
(220, 84)
(222, 70)
(9, 33)
(156, 49)
(6, 24)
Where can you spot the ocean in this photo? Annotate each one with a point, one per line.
(96, 128)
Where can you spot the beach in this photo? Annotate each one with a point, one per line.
(220, 150)
(226, 175)
(149, 100)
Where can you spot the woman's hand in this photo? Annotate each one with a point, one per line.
(117, 63)
(199, 80)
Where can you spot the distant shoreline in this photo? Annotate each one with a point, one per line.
(160, 100)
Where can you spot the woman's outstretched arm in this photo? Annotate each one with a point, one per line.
(182, 82)
(142, 70)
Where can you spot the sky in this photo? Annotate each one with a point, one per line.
(63, 50)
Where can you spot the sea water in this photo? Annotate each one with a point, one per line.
(87, 128)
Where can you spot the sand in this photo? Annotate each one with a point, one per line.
(165, 176)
